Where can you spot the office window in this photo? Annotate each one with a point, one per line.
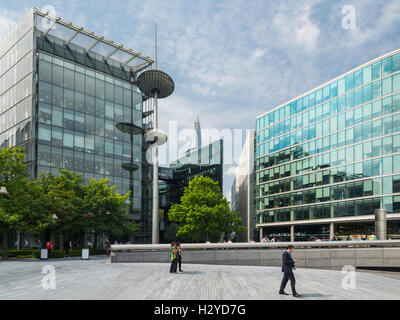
(367, 93)
(90, 86)
(68, 139)
(80, 82)
(341, 86)
(376, 108)
(376, 89)
(387, 165)
(69, 99)
(376, 70)
(58, 75)
(358, 78)
(387, 185)
(45, 71)
(387, 145)
(349, 82)
(57, 137)
(69, 79)
(367, 74)
(44, 155)
(44, 133)
(386, 86)
(44, 113)
(79, 102)
(387, 66)
(396, 82)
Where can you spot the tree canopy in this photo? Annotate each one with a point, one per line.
(58, 203)
(21, 210)
(203, 213)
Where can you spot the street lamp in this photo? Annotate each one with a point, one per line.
(156, 84)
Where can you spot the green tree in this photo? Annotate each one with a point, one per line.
(170, 232)
(21, 211)
(62, 199)
(204, 212)
(106, 210)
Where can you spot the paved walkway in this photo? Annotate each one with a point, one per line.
(98, 279)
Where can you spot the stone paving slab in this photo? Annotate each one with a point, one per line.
(99, 279)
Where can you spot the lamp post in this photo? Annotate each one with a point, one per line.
(4, 192)
(158, 85)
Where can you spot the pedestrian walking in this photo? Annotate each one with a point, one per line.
(108, 248)
(288, 265)
(49, 247)
(173, 258)
(67, 247)
(179, 255)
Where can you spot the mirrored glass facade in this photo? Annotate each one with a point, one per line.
(204, 161)
(335, 151)
(63, 90)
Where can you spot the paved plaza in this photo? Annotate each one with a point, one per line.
(99, 279)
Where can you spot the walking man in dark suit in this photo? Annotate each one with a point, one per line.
(287, 269)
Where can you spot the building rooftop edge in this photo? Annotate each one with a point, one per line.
(93, 35)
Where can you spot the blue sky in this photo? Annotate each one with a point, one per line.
(231, 59)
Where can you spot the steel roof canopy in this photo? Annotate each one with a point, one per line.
(72, 34)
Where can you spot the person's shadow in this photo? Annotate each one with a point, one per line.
(314, 295)
(191, 272)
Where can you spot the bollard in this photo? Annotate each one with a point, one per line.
(44, 254)
(380, 224)
(85, 254)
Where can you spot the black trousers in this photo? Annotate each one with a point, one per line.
(286, 277)
(180, 262)
(174, 265)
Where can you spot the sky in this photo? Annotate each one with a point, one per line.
(233, 60)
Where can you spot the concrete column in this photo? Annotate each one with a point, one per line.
(261, 234)
(380, 224)
(331, 231)
(292, 233)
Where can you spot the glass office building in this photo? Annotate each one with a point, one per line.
(328, 158)
(203, 161)
(63, 90)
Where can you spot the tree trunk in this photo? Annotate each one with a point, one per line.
(95, 240)
(18, 239)
(5, 245)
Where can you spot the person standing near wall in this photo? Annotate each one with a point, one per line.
(173, 258)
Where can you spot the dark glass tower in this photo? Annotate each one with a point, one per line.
(69, 96)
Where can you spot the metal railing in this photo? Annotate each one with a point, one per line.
(273, 245)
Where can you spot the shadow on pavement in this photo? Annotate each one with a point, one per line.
(314, 295)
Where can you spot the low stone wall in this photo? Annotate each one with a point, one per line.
(318, 258)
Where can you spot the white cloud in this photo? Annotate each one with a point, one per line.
(231, 171)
